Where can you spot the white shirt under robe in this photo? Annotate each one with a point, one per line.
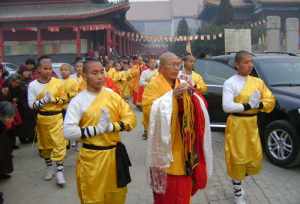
(78, 105)
(34, 89)
(232, 88)
(146, 76)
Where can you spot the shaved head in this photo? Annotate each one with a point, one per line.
(169, 66)
(241, 55)
(188, 57)
(86, 64)
(166, 57)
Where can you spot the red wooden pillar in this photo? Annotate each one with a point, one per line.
(135, 51)
(128, 47)
(132, 48)
(1, 46)
(39, 42)
(120, 45)
(78, 43)
(108, 42)
(125, 46)
(138, 47)
(114, 41)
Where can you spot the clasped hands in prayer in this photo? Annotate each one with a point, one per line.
(48, 98)
(255, 99)
(182, 88)
(104, 125)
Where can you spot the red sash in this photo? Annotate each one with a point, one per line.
(199, 172)
(109, 83)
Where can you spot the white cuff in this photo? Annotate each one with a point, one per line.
(110, 127)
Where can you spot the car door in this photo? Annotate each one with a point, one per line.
(11, 68)
(214, 74)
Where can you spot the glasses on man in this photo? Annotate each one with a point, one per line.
(173, 65)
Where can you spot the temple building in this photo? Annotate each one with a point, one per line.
(64, 28)
(282, 17)
(252, 10)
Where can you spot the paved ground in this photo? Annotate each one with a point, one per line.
(273, 186)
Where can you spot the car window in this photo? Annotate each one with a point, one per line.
(231, 62)
(214, 72)
(11, 67)
(281, 71)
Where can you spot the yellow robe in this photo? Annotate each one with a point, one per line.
(200, 85)
(96, 170)
(49, 129)
(126, 85)
(81, 83)
(120, 79)
(112, 73)
(157, 87)
(135, 78)
(71, 88)
(243, 151)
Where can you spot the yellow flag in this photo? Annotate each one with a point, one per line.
(189, 47)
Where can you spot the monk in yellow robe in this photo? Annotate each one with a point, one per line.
(111, 71)
(120, 78)
(71, 90)
(244, 96)
(192, 77)
(145, 78)
(170, 180)
(126, 92)
(47, 96)
(71, 85)
(135, 72)
(96, 117)
(78, 76)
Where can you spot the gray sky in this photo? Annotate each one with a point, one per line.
(148, 0)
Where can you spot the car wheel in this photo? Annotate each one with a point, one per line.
(282, 144)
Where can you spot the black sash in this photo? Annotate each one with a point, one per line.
(122, 162)
(48, 113)
(93, 147)
(243, 114)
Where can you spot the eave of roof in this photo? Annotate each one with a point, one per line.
(80, 14)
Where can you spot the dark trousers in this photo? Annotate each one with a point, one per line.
(1, 198)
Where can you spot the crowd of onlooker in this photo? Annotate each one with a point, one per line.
(17, 120)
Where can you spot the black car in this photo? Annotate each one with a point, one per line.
(280, 129)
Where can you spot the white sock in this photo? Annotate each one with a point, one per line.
(237, 188)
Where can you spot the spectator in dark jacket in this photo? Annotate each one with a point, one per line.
(27, 114)
(7, 112)
(12, 91)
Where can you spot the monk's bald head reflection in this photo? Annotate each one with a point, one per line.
(169, 65)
